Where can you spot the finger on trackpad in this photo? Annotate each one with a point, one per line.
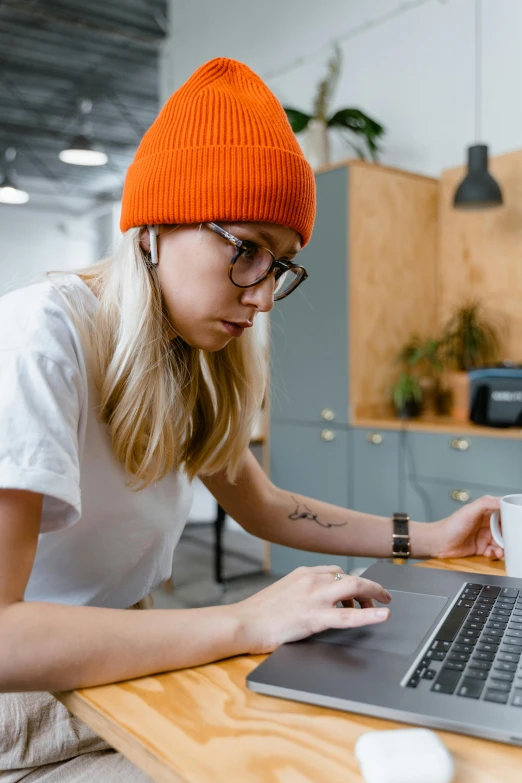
(411, 617)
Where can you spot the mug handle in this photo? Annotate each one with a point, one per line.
(495, 529)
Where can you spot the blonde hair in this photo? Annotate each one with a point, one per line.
(167, 406)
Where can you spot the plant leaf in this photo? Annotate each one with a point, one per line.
(298, 119)
(405, 389)
(471, 338)
(357, 122)
(359, 151)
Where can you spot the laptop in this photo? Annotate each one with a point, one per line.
(448, 657)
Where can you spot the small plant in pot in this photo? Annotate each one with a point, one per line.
(407, 396)
(471, 339)
(426, 355)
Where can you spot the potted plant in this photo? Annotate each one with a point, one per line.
(407, 396)
(471, 339)
(425, 354)
(352, 122)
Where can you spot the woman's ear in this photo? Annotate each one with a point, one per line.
(145, 239)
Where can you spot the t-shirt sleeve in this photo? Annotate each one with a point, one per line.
(40, 404)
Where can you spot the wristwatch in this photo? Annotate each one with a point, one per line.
(400, 536)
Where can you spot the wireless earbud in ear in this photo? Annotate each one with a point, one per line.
(153, 233)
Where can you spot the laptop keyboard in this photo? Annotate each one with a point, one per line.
(476, 652)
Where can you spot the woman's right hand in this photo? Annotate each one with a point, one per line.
(305, 602)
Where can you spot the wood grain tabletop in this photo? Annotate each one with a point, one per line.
(203, 725)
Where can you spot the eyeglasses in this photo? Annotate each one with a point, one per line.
(253, 263)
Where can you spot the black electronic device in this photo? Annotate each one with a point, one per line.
(496, 396)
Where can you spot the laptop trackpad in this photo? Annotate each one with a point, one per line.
(411, 617)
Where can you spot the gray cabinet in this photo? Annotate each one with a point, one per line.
(376, 475)
(309, 371)
(495, 462)
(309, 337)
(311, 461)
(376, 471)
(428, 501)
(446, 471)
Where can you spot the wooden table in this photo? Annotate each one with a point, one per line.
(202, 725)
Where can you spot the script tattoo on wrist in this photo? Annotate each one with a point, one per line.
(307, 513)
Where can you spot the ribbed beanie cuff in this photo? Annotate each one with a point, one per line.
(256, 171)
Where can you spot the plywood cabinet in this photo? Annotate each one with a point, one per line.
(392, 275)
(479, 252)
(390, 257)
(371, 263)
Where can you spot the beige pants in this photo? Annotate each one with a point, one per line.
(40, 740)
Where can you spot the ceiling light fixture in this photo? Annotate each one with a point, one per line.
(80, 151)
(9, 193)
(478, 189)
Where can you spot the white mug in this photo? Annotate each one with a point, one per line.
(511, 537)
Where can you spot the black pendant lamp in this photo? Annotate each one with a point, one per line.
(478, 189)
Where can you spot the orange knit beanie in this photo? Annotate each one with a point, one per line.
(220, 149)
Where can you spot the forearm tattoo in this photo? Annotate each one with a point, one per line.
(307, 513)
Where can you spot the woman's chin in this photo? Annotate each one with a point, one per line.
(218, 345)
(209, 343)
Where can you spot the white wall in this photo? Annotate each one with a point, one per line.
(36, 240)
(107, 224)
(408, 64)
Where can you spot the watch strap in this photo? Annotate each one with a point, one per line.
(400, 535)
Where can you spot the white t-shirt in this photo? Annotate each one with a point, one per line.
(100, 543)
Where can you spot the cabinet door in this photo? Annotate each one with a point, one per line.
(375, 475)
(428, 501)
(465, 458)
(309, 341)
(444, 471)
(303, 461)
(376, 471)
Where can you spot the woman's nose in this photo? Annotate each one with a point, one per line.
(261, 296)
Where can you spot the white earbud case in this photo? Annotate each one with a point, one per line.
(404, 756)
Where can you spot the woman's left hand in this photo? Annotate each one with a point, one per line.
(467, 532)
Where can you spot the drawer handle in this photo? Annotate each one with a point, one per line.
(461, 444)
(328, 414)
(375, 438)
(328, 435)
(460, 495)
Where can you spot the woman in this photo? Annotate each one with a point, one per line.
(122, 383)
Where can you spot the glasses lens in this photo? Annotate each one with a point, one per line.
(251, 266)
(285, 283)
